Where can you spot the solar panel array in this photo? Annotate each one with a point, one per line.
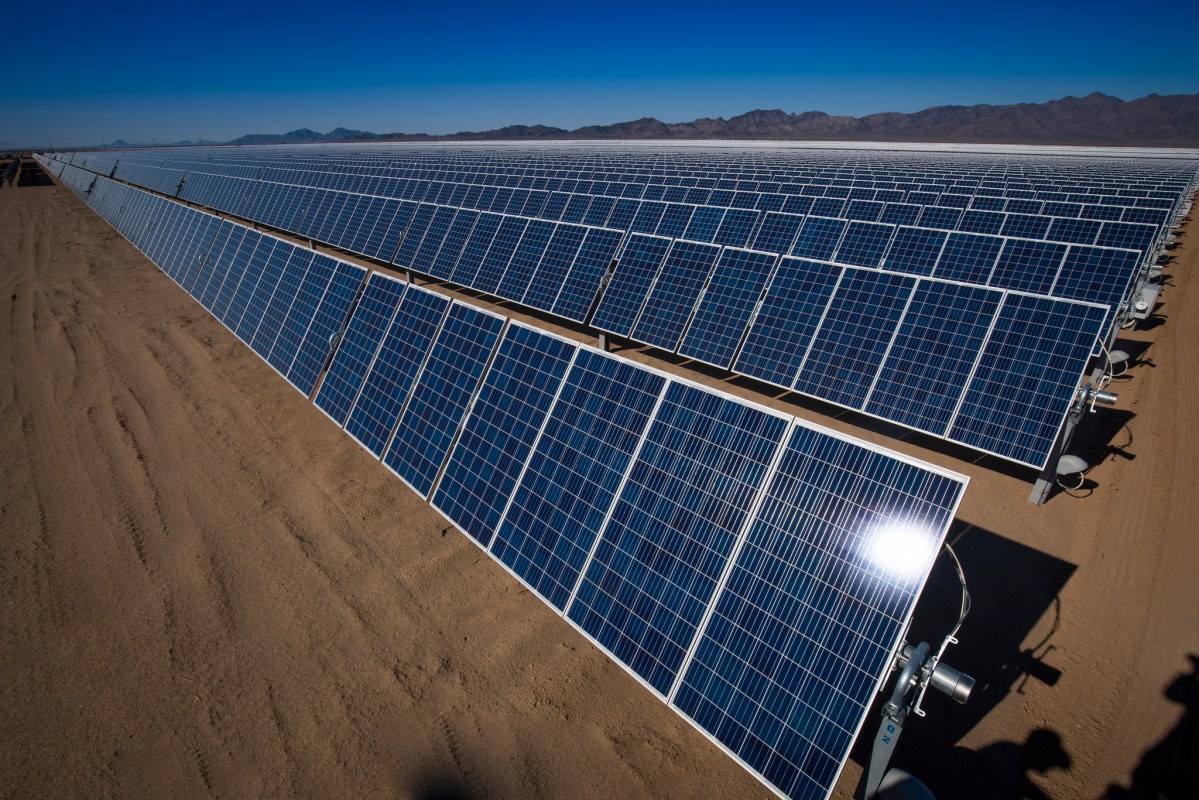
(710, 249)
(755, 571)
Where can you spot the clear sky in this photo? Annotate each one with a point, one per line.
(84, 73)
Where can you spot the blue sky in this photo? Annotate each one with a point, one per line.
(217, 70)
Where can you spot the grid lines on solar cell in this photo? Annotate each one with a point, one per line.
(1028, 266)
(281, 300)
(726, 305)
(357, 350)
(401, 353)
(528, 254)
(455, 240)
(864, 243)
(476, 248)
(914, 251)
(672, 528)
(499, 433)
(301, 313)
(1026, 377)
(736, 227)
(777, 233)
(630, 283)
(330, 318)
(442, 393)
(1096, 274)
(258, 269)
(487, 278)
(926, 369)
(780, 334)
(968, 258)
(673, 296)
(414, 234)
(583, 282)
(853, 338)
(552, 269)
(818, 238)
(575, 471)
(814, 606)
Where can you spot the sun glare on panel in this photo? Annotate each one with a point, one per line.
(900, 550)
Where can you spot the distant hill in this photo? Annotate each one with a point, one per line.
(1097, 119)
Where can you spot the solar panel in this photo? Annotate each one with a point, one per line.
(791, 311)
(492, 269)
(864, 243)
(1026, 377)
(401, 353)
(817, 601)
(935, 347)
(968, 258)
(331, 315)
(280, 301)
(301, 312)
(818, 238)
(357, 350)
(504, 421)
(671, 300)
(575, 471)
(551, 272)
(726, 306)
(656, 565)
(582, 284)
(635, 273)
(515, 280)
(1028, 266)
(442, 395)
(915, 251)
(854, 336)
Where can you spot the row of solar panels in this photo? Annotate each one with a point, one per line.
(1040, 180)
(989, 252)
(596, 204)
(754, 571)
(934, 354)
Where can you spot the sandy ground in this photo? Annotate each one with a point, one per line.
(207, 590)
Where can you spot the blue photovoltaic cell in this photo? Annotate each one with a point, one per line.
(1026, 377)
(399, 358)
(476, 249)
(1028, 266)
(926, 369)
(988, 222)
(673, 295)
(813, 609)
(668, 539)
(704, 223)
(777, 233)
(575, 472)
(280, 303)
(442, 394)
(968, 258)
(945, 219)
(1096, 274)
(240, 261)
(551, 272)
(780, 334)
(864, 244)
(257, 300)
(1078, 231)
(914, 251)
(818, 238)
(736, 227)
(1126, 235)
(220, 270)
(726, 306)
(435, 236)
(413, 235)
(583, 282)
(455, 240)
(849, 347)
(300, 314)
(674, 220)
(1024, 225)
(515, 281)
(487, 278)
(900, 214)
(358, 347)
(499, 433)
(330, 318)
(635, 273)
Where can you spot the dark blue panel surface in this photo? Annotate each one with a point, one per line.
(1025, 380)
(849, 347)
(1027, 266)
(285, 293)
(726, 305)
(583, 282)
(818, 238)
(778, 232)
(358, 347)
(528, 255)
(673, 296)
(476, 249)
(441, 396)
(1097, 274)
(779, 335)
(575, 472)
(864, 243)
(926, 369)
(915, 251)
(330, 318)
(968, 257)
(634, 275)
(499, 433)
(814, 606)
(494, 264)
(672, 529)
(554, 265)
(300, 315)
(388, 382)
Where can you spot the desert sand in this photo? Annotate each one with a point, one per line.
(208, 590)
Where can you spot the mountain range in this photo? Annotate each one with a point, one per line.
(1097, 119)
